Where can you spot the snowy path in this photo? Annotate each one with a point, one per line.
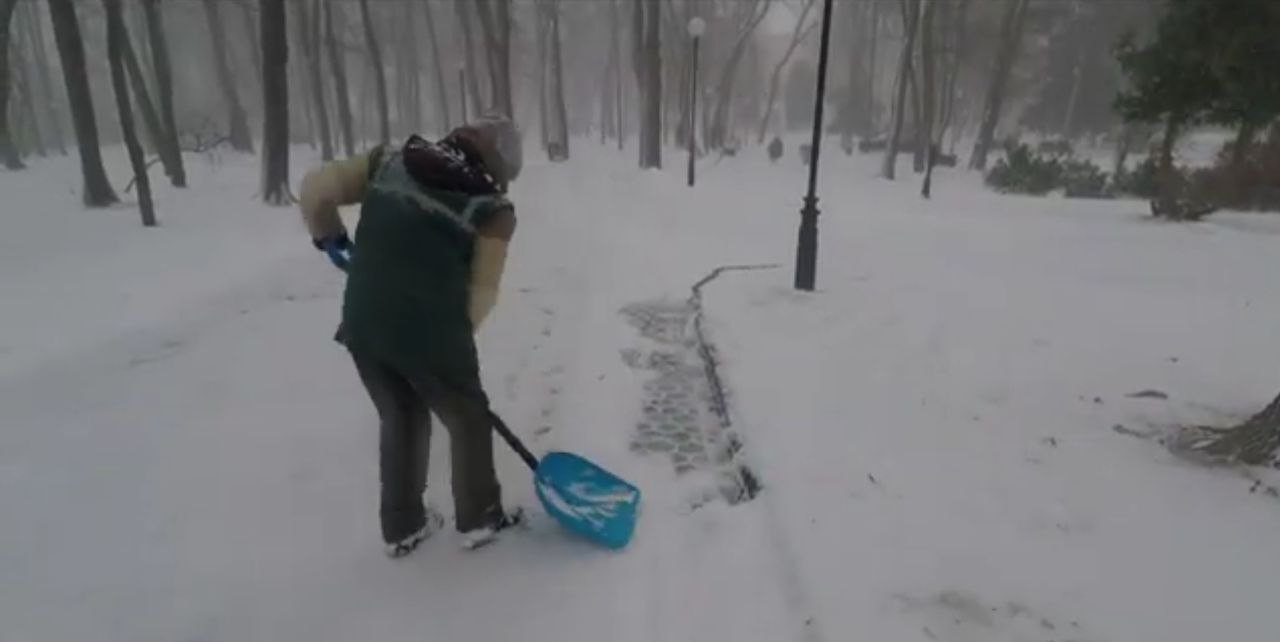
(211, 475)
(186, 455)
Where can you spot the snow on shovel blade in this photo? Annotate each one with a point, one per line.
(587, 499)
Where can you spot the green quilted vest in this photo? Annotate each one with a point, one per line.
(407, 286)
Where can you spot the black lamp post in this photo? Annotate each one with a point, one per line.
(807, 244)
(696, 27)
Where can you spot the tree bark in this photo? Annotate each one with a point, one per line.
(116, 36)
(799, 33)
(1243, 142)
(1168, 174)
(338, 65)
(1069, 118)
(66, 31)
(717, 134)
(150, 118)
(650, 72)
(620, 91)
(927, 64)
(27, 90)
(560, 111)
(164, 90)
(237, 120)
(917, 153)
(859, 13)
(408, 74)
(274, 40)
(8, 150)
(540, 70)
(307, 31)
(379, 74)
(495, 25)
(1011, 28)
(957, 19)
(869, 112)
(888, 168)
(41, 58)
(462, 8)
(251, 30)
(297, 78)
(442, 89)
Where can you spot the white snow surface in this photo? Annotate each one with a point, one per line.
(186, 455)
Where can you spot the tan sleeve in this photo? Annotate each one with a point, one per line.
(488, 263)
(325, 188)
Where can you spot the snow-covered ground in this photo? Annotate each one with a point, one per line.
(186, 455)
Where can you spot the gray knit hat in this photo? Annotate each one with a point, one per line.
(500, 146)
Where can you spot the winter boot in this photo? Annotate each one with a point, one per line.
(497, 522)
(433, 522)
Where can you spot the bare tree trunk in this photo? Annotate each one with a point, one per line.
(917, 153)
(619, 86)
(365, 116)
(50, 100)
(799, 33)
(716, 135)
(1069, 119)
(1243, 142)
(649, 71)
(956, 32)
(495, 25)
(116, 36)
(299, 110)
(237, 120)
(306, 31)
(869, 112)
(274, 39)
(442, 89)
(928, 64)
(150, 117)
(28, 102)
(472, 70)
(1124, 142)
(133, 11)
(379, 74)
(503, 37)
(66, 31)
(1168, 174)
(8, 150)
(251, 30)
(164, 90)
(540, 69)
(408, 72)
(1010, 36)
(607, 126)
(338, 65)
(858, 13)
(559, 111)
(888, 169)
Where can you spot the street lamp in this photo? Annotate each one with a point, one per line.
(696, 27)
(807, 244)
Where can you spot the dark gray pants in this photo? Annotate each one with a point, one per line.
(404, 408)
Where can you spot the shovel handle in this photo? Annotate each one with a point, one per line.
(513, 441)
(501, 427)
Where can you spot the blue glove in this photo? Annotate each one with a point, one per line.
(337, 248)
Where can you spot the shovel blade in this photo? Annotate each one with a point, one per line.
(587, 499)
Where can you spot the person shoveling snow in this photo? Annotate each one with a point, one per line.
(433, 233)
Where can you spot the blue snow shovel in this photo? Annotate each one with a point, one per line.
(585, 498)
